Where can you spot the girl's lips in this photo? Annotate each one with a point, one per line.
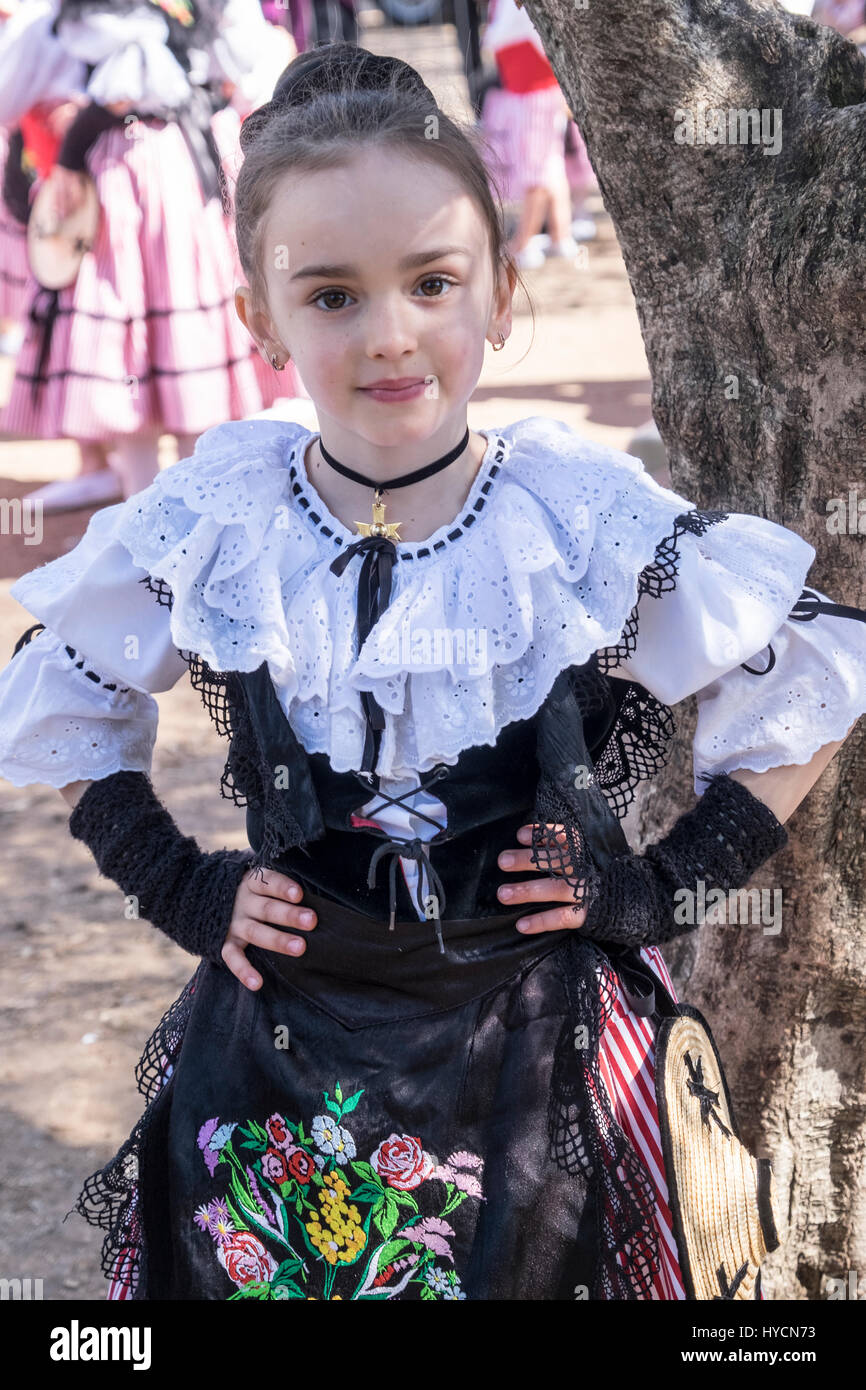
(400, 393)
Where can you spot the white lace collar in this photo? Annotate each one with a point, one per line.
(539, 571)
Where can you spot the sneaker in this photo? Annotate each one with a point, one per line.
(98, 489)
(584, 229)
(568, 249)
(530, 258)
(11, 342)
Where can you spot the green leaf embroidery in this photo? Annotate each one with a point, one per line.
(365, 1170)
(405, 1199)
(352, 1102)
(367, 1192)
(390, 1251)
(338, 1093)
(387, 1217)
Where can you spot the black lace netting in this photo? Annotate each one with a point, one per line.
(109, 1198)
(246, 779)
(586, 1139)
(657, 578)
(637, 745)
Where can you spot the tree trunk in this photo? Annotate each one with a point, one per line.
(748, 268)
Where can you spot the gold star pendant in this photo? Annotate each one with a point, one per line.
(379, 526)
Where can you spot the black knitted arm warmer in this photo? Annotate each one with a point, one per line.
(182, 890)
(721, 841)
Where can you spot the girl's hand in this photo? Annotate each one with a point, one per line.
(260, 901)
(539, 889)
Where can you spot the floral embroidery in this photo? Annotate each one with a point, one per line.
(303, 1212)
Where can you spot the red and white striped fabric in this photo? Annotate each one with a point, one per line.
(627, 1066)
(148, 336)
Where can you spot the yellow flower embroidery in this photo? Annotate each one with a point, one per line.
(340, 1237)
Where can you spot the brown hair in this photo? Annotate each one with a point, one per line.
(337, 96)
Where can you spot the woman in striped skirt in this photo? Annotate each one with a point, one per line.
(146, 341)
(525, 121)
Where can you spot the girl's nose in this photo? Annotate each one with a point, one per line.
(390, 330)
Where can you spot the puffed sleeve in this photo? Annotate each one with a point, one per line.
(778, 668)
(75, 700)
(34, 65)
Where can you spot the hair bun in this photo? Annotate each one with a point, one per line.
(341, 67)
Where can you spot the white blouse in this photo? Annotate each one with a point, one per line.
(538, 572)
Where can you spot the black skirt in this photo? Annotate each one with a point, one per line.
(381, 1120)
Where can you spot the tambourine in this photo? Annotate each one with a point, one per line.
(57, 246)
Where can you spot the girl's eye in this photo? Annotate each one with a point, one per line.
(436, 280)
(330, 294)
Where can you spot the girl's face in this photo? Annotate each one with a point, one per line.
(380, 270)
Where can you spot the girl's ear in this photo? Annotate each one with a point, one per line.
(256, 321)
(503, 296)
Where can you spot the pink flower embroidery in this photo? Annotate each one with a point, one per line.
(432, 1232)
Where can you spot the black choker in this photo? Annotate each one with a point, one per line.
(379, 526)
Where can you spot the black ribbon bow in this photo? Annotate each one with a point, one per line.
(374, 595)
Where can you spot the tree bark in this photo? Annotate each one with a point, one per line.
(749, 274)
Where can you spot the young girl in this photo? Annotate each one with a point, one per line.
(436, 1083)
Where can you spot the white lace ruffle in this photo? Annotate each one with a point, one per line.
(59, 726)
(130, 57)
(538, 572)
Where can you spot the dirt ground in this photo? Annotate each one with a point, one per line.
(82, 987)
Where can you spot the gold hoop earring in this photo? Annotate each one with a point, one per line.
(277, 366)
(497, 347)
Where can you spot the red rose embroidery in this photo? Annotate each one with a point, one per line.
(301, 1166)
(274, 1166)
(245, 1259)
(277, 1131)
(402, 1162)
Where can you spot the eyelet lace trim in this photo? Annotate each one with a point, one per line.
(245, 780)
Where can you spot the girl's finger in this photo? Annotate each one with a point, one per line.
(536, 891)
(279, 913)
(268, 938)
(517, 861)
(240, 967)
(524, 834)
(275, 885)
(557, 919)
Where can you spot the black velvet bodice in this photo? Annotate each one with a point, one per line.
(489, 793)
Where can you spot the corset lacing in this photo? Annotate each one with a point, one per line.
(410, 849)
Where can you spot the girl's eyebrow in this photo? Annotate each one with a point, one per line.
(310, 272)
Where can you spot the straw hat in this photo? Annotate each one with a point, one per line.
(724, 1208)
(57, 246)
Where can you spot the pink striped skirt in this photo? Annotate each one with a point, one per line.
(147, 339)
(526, 133)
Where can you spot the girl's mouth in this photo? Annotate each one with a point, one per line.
(397, 391)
